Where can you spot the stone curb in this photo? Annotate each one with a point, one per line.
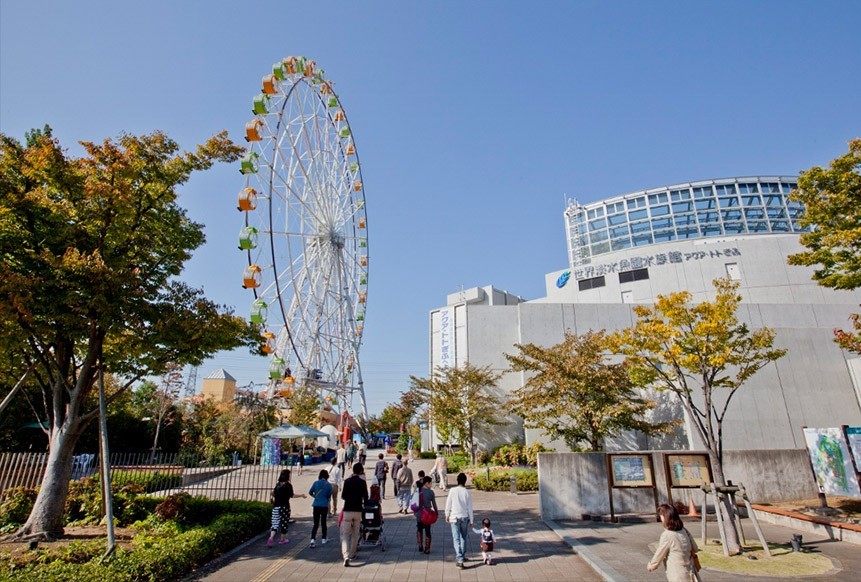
(603, 569)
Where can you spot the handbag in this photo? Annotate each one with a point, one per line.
(341, 518)
(695, 559)
(415, 502)
(429, 516)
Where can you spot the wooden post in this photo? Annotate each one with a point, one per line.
(705, 514)
(721, 530)
(754, 520)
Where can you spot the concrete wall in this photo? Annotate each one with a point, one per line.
(575, 484)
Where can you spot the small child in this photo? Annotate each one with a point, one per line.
(487, 538)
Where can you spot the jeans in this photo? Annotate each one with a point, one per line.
(404, 495)
(458, 536)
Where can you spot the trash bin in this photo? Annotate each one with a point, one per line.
(796, 542)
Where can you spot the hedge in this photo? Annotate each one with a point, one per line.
(161, 550)
(526, 480)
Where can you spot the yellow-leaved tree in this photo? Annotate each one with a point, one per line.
(701, 353)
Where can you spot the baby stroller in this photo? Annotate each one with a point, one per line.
(371, 529)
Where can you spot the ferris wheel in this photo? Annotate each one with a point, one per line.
(305, 233)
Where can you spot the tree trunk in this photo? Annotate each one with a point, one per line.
(733, 544)
(155, 441)
(46, 518)
(471, 444)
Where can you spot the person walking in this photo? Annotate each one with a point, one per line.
(363, 452)
(458, 512)
(397, 464)
(404, 482)
(380, 471)
(351, 454)
(355, 495)
(321, 490)
(336, 479)
(488, 539)
(440, 467)
(280, 499)
(427, 500)
(341, 458)
(676, 548)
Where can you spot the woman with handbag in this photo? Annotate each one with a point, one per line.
(426, 514)
(676, 548)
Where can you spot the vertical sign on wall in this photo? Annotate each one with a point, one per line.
(446, 337)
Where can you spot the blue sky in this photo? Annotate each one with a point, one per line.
(472, 120)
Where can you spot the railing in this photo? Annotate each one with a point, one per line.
(158, 475)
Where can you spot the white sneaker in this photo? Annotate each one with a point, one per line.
(324, 540)
(312, 543)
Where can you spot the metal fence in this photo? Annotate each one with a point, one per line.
(158, 475)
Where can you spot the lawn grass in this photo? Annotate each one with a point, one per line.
(784, 563)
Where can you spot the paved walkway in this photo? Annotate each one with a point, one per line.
(527, 548)
(620, 552)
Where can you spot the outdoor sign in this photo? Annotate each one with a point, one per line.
(853, 438)
(832, 465)
(689, 471)
(446, 337)
(631, 471)
(645, 261)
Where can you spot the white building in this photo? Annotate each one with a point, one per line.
(632, 248)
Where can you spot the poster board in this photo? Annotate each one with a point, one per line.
(631, 470)
(831, 461)
(853, 439)
(688, 471)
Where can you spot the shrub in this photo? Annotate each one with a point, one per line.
(526, 480)
(172, 507)
(84, 503)
(163, 551)
(145, 482)
(427, 455)
(456, 462)
(518, 454)
(16, 506)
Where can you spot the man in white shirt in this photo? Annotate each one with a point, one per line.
(458, 512)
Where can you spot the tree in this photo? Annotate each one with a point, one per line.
(832, 200)
(90, 249)
(393, 417)
(163, 399)
(461, 402)
(574, 394)
(702, 354)
(304, 406)
(256, 414)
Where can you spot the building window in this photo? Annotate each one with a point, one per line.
(733, 271)
(635, 275)
(592, 283)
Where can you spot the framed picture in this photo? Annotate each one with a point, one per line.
(688, 471)
(831, 462)
(631, 470)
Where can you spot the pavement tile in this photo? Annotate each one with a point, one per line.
(527, 549)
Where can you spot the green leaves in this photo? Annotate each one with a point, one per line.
(573, 393)
(832, 198)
